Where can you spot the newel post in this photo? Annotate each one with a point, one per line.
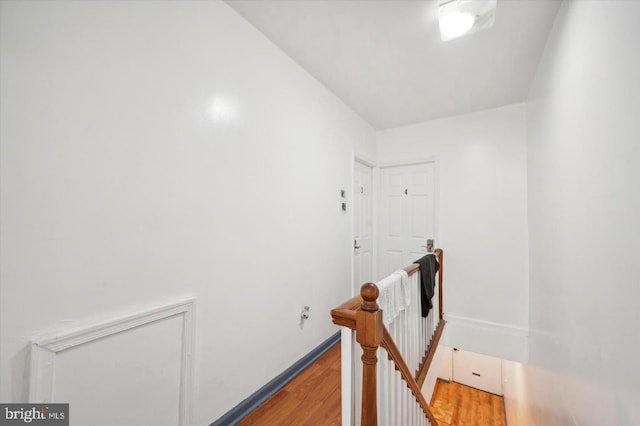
(369, 335)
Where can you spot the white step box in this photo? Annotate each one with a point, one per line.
(478, 371)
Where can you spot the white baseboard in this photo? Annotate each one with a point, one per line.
(486, 337)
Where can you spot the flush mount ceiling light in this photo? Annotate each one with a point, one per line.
(459, 17)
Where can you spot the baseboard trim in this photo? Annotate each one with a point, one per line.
(241, 410)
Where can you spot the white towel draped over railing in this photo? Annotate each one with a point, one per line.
(400, 303)
(394, 296)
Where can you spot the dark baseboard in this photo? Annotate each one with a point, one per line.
(241, 410)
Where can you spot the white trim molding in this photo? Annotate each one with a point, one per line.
(408, 162)
(45, 349)
(362, 160)
(486, 337)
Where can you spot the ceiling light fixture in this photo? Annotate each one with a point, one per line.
(455, 24)
(459, 17)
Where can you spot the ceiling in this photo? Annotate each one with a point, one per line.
(385, 59)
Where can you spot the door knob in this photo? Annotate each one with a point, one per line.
(355, 245)
(429, 246)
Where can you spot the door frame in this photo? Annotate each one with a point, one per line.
(374, 221)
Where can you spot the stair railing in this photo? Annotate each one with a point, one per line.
(389, 385)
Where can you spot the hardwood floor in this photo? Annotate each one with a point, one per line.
(312, 398)
(454, 404)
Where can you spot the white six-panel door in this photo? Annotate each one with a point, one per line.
(406, 214)
(362, 226)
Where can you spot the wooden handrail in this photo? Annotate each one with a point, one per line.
(411, 269)
(353, 303)
(344, 314)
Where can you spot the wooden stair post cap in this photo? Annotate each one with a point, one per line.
(369, 293)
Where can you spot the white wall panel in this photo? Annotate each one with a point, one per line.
(130, 370)
(145, 362)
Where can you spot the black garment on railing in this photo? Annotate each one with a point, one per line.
(428, 268)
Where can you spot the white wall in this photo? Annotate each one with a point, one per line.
(584, 205)
(482, 222)
(122, 189)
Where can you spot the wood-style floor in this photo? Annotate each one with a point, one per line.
(453, 404)
(313, 399)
